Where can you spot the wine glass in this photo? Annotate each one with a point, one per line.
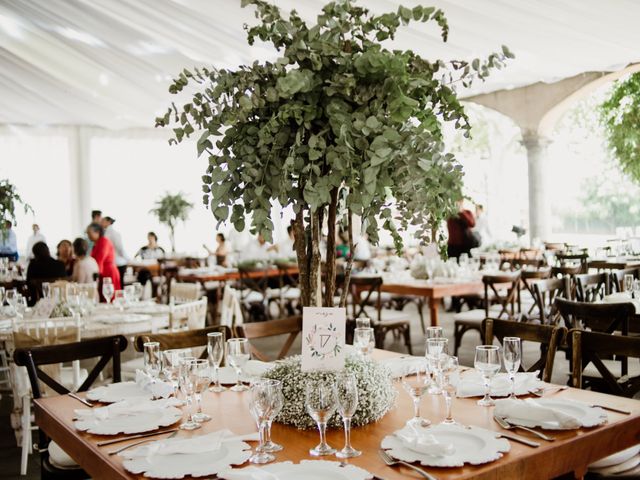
(215, 353)
(152, 359)
(130, 294)
(74, 302)
(171, 360)
(201, 372)
(11, 297)
(487, 362)
(237, 356)
(107, 289)
(415, 380)
(138, 290)
(119, 300)
(261, 403)
(187, 387)
(628, 284)
(364, 340)
(278, 403)
(434, 332)
(436, 352)
(347, 399)
(448, 389)
(511, 355)
(363, 322)
(321, 403)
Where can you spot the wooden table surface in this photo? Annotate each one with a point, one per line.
(232, 275)
(571, 452)
(614, 264)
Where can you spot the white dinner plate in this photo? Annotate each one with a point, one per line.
(116, 392)
(632, 462)
(586, 415)
(130, 423)
(616, 458)
(473, 445)
(306, 469)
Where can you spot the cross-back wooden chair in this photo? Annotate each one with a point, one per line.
(179, 340)
(599, 317)
(526, 293)
(253, 285)
(549, 338)
(574, 259)
(288, 291)
(594, 348)
(616, 278)
(106, 349)
(270, 328)
(366, 290)
(545, 293)
(592, 287)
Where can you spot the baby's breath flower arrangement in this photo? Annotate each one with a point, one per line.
(376, 394)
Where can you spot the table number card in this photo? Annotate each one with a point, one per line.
(323, 338)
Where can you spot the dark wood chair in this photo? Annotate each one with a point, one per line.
(549, 338)
(574, 259)
(526, 293)
(545, 293)
(599, 317)
(616, 278)
(107, 349)
(592, 287)
(594, 348)
(184, 339)
(291, 326)
(366, 290)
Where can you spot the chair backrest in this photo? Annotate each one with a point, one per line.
(493, 284)
(106, 348)
(178, 340)
(363, 288)
(592, 287)
(231, 309)
(593, 347)
(545, 292)
(549, 338)
(188, 316)
(270, 328)
(573, 259)
(616, 278)
(183, 292)
(599, 317)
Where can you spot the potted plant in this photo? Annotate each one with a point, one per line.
(170, 209)
(338, 126)
(9, 202)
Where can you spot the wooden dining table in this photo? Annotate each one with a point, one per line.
(569, 454)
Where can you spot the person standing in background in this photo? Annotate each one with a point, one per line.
(460, 234)
(104, 255)
(96, 217)
(36, 237)
(285, 248)
(8, 243)
(114, 236)
(221, 250)
(482, 225)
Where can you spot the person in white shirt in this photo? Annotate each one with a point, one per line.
(33, 239)
(257, 249)
(122, 259)
(85, 268)
(8, 242)
(482, 225)
(285, 248)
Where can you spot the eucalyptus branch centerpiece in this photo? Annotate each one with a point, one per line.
(339, 126)
(171, 209)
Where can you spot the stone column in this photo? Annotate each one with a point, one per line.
(539, 205)
(80, 178)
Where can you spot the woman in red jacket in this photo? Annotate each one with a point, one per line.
(104, 254)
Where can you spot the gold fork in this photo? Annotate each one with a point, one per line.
(389, 460)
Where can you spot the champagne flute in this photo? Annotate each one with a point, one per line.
(448, 389)
(487, 362)
(152, 359)
(237, 356)
(436, 352)
(347, 398)
(415, 381)
(261, 404)
(278, 403)
(364, 340)
(201, 372)
(321, 403)
(215, 353)
(187, 387)
(107, 289)
(628, 284)
(511, 355)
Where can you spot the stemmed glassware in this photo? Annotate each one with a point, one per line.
(2, 292)
(119, 300)
(152, 359)
(487, 362)
(107, 289)
(450, 368)
(263, 398)
(363, 322)
(215, 353)
(20, 305)
(434, 332)
(46, 289)
(511, 356)
(364, 340)
(278, 403)
(11, 296)
(635, 293)
(347, 398)
(238, 355)
(628, 284)
(415, 380)
(201, 380)
(321, 403)
(436, 352)
(186, 384)
(171, 360)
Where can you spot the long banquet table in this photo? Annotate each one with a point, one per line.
(570, 454)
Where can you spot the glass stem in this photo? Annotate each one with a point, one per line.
(261, 433)
(199, 401)
(447, 401)
(190, 407)
(322, 426)
(487, 388)
(416, 407)
(513, 384)
(347, 433)
(238, 372)
(218, 377)
(267, 432)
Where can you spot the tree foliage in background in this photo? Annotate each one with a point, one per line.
(337, 126)
(10, 200)
(620, 115)
(170, 209)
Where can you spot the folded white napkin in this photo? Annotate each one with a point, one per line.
(423, 442)
(157, 388)
(399, 364)
(530, 409)
(126, 408)
(472, 385)
(256, 368)
(199, 444)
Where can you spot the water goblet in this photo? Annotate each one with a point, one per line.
(11, 296)
(171, 360)
(487, 362)
(201, 372)
(415, 381)
(21, 305)
(363, 322)
(511, 356)
(215, 354)
(278, 403)
(152, 359)
(347, 400)
(187, 387)
(321, 404)
(364, 340)
(434, 332)
(237, 356)
(107, 289)
(261, 403)
(448, 389)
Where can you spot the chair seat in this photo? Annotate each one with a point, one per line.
(287, 293)
(387, 316)
(253, 297)
(60, 459)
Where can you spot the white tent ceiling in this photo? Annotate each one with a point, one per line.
(108, 62)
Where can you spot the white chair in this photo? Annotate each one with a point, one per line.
(188, 316)
(34, 332)
(185, 292)
(230, 310)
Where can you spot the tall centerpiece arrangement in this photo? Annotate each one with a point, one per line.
(171, 209)
(338, 126)
(10, 201)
